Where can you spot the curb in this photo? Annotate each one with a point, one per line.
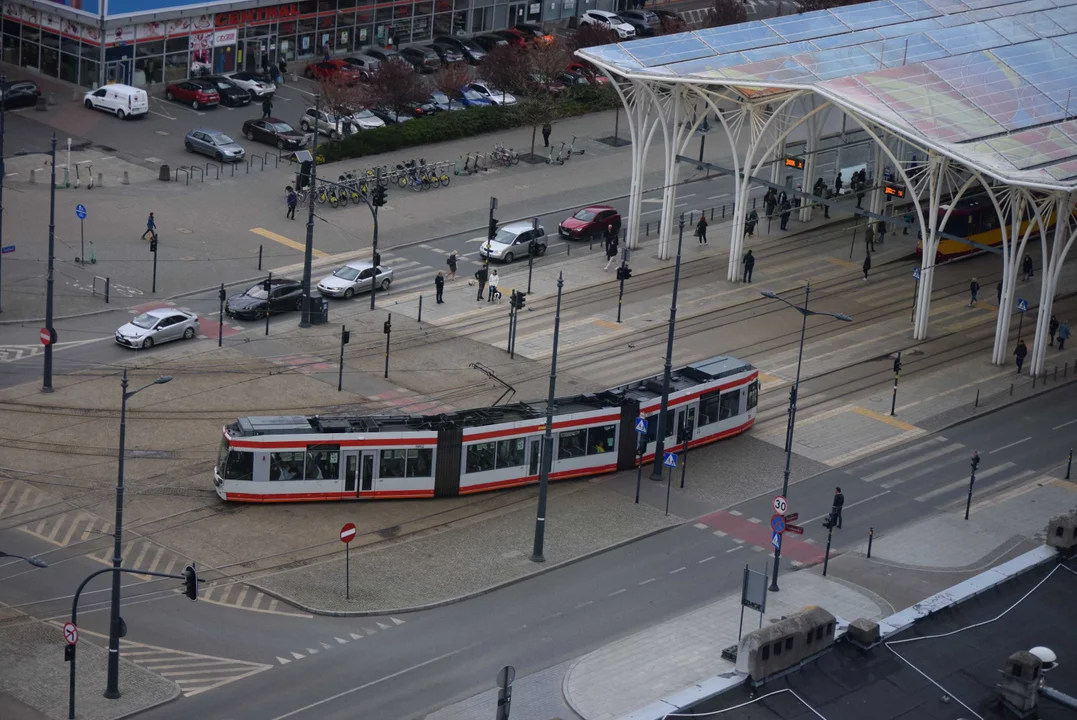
(467, 596)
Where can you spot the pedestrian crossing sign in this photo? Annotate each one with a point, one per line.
(1022, 305)
(916, 273)
(641, 425)
(670, 460)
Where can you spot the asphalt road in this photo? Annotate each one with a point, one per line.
(433, 658)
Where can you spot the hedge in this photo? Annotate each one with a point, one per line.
(445, 126)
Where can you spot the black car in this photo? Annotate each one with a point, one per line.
(19, 93)
(489, 42)
(253, 304)
(447, 53)
(423, 59)
(231, 94)
(644, 21)
(470, 49)
(421, 108)
(274, 131)
(383, 54)
(390, 117)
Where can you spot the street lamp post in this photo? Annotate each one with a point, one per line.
(36, 562)
(547, 439)
(112, 690)
(308, 249)
(660, 430)
(794, 392)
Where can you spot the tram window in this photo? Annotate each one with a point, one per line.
(753, 394)
(286, 466)
(392, 464)
(652, 428)
(480, 457)
(571, 444)
(601, 439)
(671, 420)
(239, 466)
(510, 453)
(420, 462)
(708, 408)
(323, 463)
(729, 405)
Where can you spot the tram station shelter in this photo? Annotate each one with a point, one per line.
(959, 97)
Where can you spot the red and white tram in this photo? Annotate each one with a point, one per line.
(295, 458)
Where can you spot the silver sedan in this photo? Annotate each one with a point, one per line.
(355, 277)
(158, 326)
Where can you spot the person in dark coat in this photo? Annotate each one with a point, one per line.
(482, 275)
(439, 286)
(748, 261)
(1052, 329)
(869, 238)
(1026, 267)
(837, 184)
(282, 66)
(819, 190)
(1020, 353)
(786, 211)
(750, 223)
(701, 229)
(151, 227)
(974, 290)
(292, 200)
(612, 243)
(451, 262)
(546, 130)
(835, 511)
(1063, 334)
(267, 108)
(867, 265)
(859, 191)
(880, 231)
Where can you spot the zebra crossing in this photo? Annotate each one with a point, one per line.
(242, 596)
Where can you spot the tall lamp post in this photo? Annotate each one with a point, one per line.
(36, 562)
(547, 438)
(793, 393)
(660, 430)
(112, 690)
(308, 248)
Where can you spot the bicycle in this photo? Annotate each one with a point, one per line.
(443, 174)
(323, 194)
(332, 197)
(505, 157)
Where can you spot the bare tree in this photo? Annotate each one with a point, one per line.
(395, 84)
(506, 67)
(725, 12)
(547, 63)
(591, 35)
(341, 98)
(450, 79)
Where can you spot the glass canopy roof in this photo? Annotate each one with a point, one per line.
(991, 80)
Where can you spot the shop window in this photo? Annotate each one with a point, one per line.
(12, 28)
(175, 45)
(307, 7)
(50, 40)
(753, 394)
(392, 464)
(69, 68)
(175, 67)
(30, 48)
(420, 462)
(322, 462)
(571, 444)
(729, 405)
(87, 71)
(285, 466)
(345, 5)
(510, 453)
(601, 439)
(154, 48)
(69, 46)
(11, 50)
(480, 457)
(443, 25)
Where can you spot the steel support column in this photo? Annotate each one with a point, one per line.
(1061, 205)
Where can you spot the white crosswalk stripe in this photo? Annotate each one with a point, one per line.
(364, 631)
(244, 597)
(194, 673)
(940, 452)
(963, 482)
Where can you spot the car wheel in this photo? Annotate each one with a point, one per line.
(280, 144)
(385, 284)
(249, 135)
(121, 114)
(259, 314)
(299, 303)
(194, 104)
(89, 104)
(168, 95)
(188, 147)
(304, 127)
(509, 257)
(147, 343)
(541, 250)
(349, 294)
(220, 157)
(188, 333)
(332, 134)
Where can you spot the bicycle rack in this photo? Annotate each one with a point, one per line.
(276, 158)
(201, 173)
(186, 175)
(104, 281)
(216, 169)
(261, 162)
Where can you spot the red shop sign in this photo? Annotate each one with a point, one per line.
(257, 15)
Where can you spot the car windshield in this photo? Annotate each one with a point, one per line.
(222, 140)
(586, 215)
(615, 19)
(364, 115)
(223, 84)
(145, 321)
(505, 237)
(472, 95)
(346, 273)
(281, 127)
(258, 292)
(472, 45)
(438, 96)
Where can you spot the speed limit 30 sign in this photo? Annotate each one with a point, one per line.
(781, 505)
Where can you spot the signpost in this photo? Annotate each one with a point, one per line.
(669, 459)
(80, 211)
(347, 534)
(641, 431)
(776, 540)
(8, 249)
(1022, 308)
(505, 676)
(71, 634)
(46, 337)
(780, 504)
(777, 523)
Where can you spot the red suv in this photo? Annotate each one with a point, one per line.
(515, 38)
(198, 93)
(590, 222)
(333, 69)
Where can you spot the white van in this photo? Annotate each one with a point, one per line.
(123, 100)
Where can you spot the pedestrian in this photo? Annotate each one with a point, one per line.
(867, 265)
(869, 238)
(1026, 266)
(611, 246)
(859, 191)
(267, 108)
(482, 274)
(292, 200)
(546, 130)
(835, 511)
(750, 223)
(748, 261)
(837, 184)
(781, 198)
(999, 292)
(1020, 354)
(1052, 329)
(439, 286)
(880, 231)
(451, 262)
(974, 289)
(1063, 334)
(493, 281)
(151, 227)
(786, 211)
(282, 66)
(701, 228)
(265, 63)
(325, 51)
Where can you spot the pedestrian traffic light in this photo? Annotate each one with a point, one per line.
(512, 300)
(388, 327)
(521, 300)
(220, 293)
(345, 337)
(153, 243)
(897, 365)
(376, 258)
(641, 449)
(379, 196)
(493, 228)
(190, 582)
(975, 460)
(266, 284)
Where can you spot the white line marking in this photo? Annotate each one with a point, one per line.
(618, 592)
(738, 541)
(738, 513)
(706, 559)
(754, 520)
(674, 572)
(1056, 427)
(734, 549)
(649, 580)
(847, 506)
(954, 447)
(963, 481)
(719, 533)
(1004, 447)
(583, 605)
(701, 526)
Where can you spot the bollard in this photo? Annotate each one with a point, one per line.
(165, 174)
(568, 248)
(100, 179)
(76, 94)
(108, 284)
(691, 218)
(723, 211)
(1011, 389)
(420, 318)
(1069, 464)
(753, 203)
(52, 99)
(649, 234)
(977, 398)
(259, 257)
(826, 557)
(126, 180)
(33, 176)
(1056, 372)
(712, 214)
(871, 536)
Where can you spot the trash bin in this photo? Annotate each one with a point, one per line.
(165, 174)
(319, 311)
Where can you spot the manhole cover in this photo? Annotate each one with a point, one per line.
(162, 132)
(185, 231)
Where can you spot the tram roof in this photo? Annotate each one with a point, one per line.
(986, 82)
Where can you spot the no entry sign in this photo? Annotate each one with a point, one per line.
(347, 533)
(46, 336)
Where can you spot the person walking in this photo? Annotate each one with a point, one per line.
(837, 184)
(267, 108)
(835, 511)
(612, 245)
(1052, 329)
(748, 261)
(451, 262)
(869, 238)
(786, 212)
(859, 191)
(494, 281)
(439, 286)
(750, 223)
(974, 291)
(1063, 334)
(482, 274)
(867, 265)
(1020, 353)
(151, 227)
(293, 200)
(880, 231)
(1026, 267)
(701, 228)
(282, 66)
(546, 130)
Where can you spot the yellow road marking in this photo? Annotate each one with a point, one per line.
(286, 241)
(842, 263)
(607, 324)
(885, 419)
(766, 379)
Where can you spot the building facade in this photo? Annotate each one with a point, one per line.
(141, 42)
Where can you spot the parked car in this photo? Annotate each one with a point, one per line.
(473, 98)
(196, 93)
(538, 83)
(441, 101)
(157, 326)
(256, 84)
(448, 54)
(610, 21)
(534, 33)
(493, 94)
(230, 93)
(121, 100)
(569, 78)
(644, 22)
(423, 59)
(366, 120)
(513, 37)
(588, 72)
(365, 64)
(355, 277)
(383, 54)
(489, 42)
(274, 131)
(19, 93)
(327, 123)
(336, 70)
(592, 221)
(471, 50)
(390, 117)
(515, 240)
(215, 144)
(254, 302)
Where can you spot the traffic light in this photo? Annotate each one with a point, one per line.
(521, 300)
(388, 327)
(153, 243)
(624, 272)
(493, 228)
(379, 196)
(512, 300)
(266, 285)
(641, 449)
(345, 337)
(220, 293)
(376, 259)
(975, 460)
(190, 582)
(897, 365)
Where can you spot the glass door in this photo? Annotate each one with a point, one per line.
(685, 432)
(367, 477)
(351, 472)
(535, 455)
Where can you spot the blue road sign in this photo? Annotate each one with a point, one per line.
(777, 523)
(670, 460)
(1022, 305)
(776, 540)
(641, 425)
(916, 273)
(8, 249)
(80, 210)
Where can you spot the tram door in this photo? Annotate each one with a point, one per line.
(358, 472)
(535, 462)
(366, 474)
(686, 414)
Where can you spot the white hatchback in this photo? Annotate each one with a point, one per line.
(611, 21)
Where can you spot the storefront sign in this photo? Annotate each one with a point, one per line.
(249, 17)
(225, 37)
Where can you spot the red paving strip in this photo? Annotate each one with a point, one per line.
(209, 327)
(759, 534)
